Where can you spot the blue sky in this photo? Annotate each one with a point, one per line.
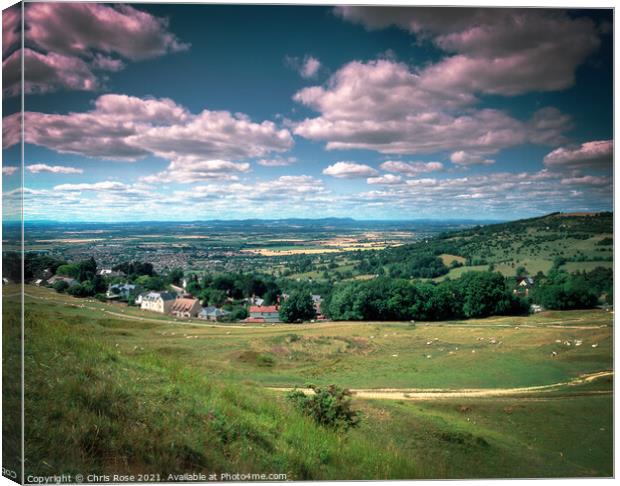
(182, 112)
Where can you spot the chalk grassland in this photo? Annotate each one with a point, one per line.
(111, 393)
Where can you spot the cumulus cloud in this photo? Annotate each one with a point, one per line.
(464, 158)
(11, 130)
(46, 72)
(9, 170)
(69, 42)
(385, 180)
(597, 154)
(411, 168)
(76, 28)
(349, 170)
(53, 169)
(383, 105)
(11, 28)
(308, 67)
(191, 169)
(127, 128)
(492, 51)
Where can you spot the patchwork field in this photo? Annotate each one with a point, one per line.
(192, 385)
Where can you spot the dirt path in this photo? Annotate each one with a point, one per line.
(322, 325)
(439, 393)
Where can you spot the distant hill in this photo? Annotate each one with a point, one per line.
(576, 241)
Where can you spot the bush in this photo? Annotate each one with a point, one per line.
(60, 286)
(330, 407)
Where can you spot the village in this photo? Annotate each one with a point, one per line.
(177, 301)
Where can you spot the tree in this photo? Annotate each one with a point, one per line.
(69, 270)
(175, 276)
(521, 271)
(298, 307)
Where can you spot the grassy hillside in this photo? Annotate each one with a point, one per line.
(578, 241)
(584, 241)
(109, 393)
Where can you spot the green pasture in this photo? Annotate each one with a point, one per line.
(109, 393)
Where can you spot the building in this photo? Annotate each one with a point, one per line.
(185, 308)
(254, 300)
(108, 272)
(180, 291)
(157, 301)
(212, 313)
(317, 300)
(524, 285)
(57, 278)
(269, 313)
(120, 291)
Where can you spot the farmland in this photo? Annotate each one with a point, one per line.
(168, 375)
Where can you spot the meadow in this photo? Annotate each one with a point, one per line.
(114, 389)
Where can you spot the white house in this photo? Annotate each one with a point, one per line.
(157, 301)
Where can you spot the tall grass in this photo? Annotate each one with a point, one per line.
(91, 408)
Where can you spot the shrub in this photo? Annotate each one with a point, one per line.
(330, 407)
(60, 286)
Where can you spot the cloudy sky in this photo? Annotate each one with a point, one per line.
(184, 112)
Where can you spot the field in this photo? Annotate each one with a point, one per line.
(133, 392)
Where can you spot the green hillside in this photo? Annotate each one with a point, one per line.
(580, 241)
(108, 393)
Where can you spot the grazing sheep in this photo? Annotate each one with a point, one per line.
(595, 345)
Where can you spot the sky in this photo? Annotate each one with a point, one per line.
(197, 112)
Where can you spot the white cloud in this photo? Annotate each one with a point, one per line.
(411, 168)
(97, 186)
(9, 170)
(54, 169)
(385, 180)
(277, 162)
(505, 51)
(588, 180)
(190, 169)
(308, 67)
(122, 127)
(69, 42)
(464, 158)
(349, 170)
(596, 154)
(385, 106)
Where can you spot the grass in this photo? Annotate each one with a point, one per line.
(110, 394)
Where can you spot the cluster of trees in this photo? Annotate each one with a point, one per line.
(474, 294)
(579, 290)
(85, 272)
